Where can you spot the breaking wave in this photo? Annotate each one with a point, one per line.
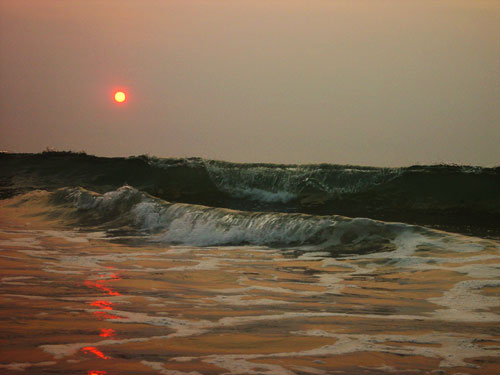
(180, 223)
(457, 198)
(283, 183)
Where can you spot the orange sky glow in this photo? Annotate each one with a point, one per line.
(379, 82)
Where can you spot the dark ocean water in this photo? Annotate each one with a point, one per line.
(463, 199)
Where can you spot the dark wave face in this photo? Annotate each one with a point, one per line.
(460, 198)
(180, 223)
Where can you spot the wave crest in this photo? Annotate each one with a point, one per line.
(180, 223)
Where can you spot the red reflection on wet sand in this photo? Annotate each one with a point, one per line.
(94, 350)
(104, 315)
(100, 285)
(105, 305)
(107, 332)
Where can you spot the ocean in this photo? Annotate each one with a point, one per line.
(145, 265)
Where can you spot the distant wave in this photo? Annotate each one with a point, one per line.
(268, 182)
(451, 196)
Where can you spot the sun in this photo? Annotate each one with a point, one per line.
(120, 96)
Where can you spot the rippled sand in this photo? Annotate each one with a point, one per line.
(78, 302)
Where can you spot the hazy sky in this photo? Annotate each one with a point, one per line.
(371, 82)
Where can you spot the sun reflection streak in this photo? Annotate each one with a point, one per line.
(104, 305)
(94, 350)
(100, 285)
(104, 313)
(101, 315)
(107, 332)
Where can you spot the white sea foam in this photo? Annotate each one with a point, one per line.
(269, 289)
(309, 370)
(453, 351)
(24, 296)
(204, 227)
(206, 264)
(150, 216)
(240, 300)
(465, 303)
(238, 365)
(473, 269)
(27, 242)
(86, 200)
(15, 278)
(22, 366)
(158, 366)
(331, 282)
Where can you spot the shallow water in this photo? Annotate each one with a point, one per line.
(81, 302)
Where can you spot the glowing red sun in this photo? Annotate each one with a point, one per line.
(120, 96)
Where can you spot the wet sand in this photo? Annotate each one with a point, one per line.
(77, 301)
